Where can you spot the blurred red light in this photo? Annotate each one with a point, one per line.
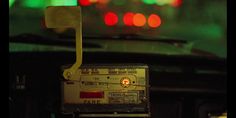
(110, 19)
(139, 20)
(128, 19)
(84, 2)
(176, 3)
(154, 21)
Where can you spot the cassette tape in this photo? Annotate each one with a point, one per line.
(107, 91)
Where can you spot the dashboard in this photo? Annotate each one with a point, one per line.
(183, 44)
(180, 86)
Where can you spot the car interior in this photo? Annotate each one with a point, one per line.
(182, 42)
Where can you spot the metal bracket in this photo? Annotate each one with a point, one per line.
(67, 17)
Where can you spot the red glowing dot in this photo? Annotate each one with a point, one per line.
(125, 82)
(110, 19)
(139, 20)
(154, 21)
(128, 18)
(84, 2)
(176, 3)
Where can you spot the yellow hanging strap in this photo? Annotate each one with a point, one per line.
(67, 17)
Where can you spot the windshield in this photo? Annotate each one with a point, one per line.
(201, 22)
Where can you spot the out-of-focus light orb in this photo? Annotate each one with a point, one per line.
(11, 2)
(128, 18)
(110, 19)
(139, 20)
(176, 3)
(163, 2)
(63, 3)
(34, 3)
(149, 1)
(154, 21)
(84, 2)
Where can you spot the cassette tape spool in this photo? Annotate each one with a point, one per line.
(111, 90)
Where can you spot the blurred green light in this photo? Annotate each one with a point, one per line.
(163, 2)
(45, 3)
(64, 2)
(34, 3)
(149, 1)
(11, 2)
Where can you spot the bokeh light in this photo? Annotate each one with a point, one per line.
(154, 21)
(110, 19)
(128, 19)
(149, 1)
(84, 2)
(139, 20)
(176, 3)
